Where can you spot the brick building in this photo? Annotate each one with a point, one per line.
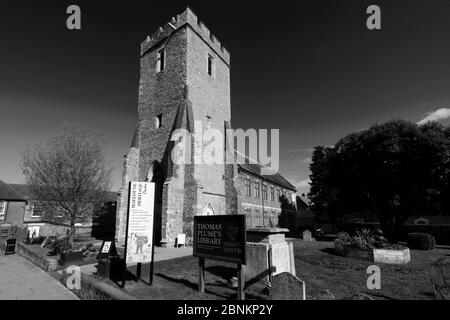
(19, 209)
(184, 80)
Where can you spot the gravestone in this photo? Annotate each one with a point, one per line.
(440, 278)
(307, 236)
(280, 258)
(257, 268)
(286, 286)
(268, 254)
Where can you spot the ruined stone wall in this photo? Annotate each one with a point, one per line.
(130, 173)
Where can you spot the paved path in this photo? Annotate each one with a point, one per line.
(161, 254)
(22, 280)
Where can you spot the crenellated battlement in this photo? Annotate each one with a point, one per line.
(190, 18)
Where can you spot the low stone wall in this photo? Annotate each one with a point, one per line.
(45, 263)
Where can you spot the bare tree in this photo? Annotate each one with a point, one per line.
(67, 176)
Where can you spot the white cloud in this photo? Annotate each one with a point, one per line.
(307, 161)
(307, 150)
(437, 115)
(303, 184)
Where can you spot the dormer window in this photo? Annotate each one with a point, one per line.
(3, 205)
(160, 60)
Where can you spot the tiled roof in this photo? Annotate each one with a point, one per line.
(21, 189)
(9, 194)
(276, 178)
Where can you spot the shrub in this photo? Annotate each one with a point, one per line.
(60, 246)
(341, 235)
(367, 239)
(421, 241)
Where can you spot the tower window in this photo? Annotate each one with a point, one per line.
(210, 65)
(158, 121)
(160, 60)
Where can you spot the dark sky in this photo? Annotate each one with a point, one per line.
(309, 68)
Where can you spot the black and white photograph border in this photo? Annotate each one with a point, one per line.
(211, 151)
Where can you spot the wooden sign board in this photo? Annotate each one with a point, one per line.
(106, 246)
(220, 238)
(107, 250)
(10, 246)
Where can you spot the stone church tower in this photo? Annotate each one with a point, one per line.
(184, 80)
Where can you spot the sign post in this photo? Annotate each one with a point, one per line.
(201, 277)
(241, 282)
(139, 243)
(221, 238)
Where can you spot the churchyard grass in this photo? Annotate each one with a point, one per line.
(327, 276)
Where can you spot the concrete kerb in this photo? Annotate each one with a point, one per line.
(102, 287)
(106, 289)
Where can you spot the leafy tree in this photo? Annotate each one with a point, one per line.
(393, 170)
(67, 176)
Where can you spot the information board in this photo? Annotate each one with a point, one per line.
(220, 238)
(140, 222)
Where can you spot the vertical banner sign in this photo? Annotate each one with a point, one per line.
(140, 222)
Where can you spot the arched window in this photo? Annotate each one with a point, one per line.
(208, 211)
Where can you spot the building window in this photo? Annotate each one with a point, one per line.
(158, 121)
(248, 188)
(37, 211)
(160, 60)
(3, 210)
(278, 195)
(257, 191)
(264, 191)
(272, 194)
(210, 65)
